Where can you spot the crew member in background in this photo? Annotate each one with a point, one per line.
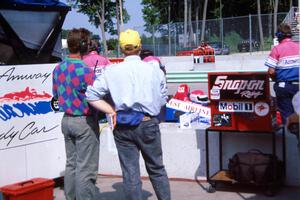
(79, 127)
(204, 45)
(148, 56)
(94, 60)
(283, 67)
(138, 91)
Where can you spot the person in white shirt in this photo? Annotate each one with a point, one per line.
(138, 91)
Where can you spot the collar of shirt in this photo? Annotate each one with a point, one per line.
(132, 58)
(78, 60)
(93, 53)
(286, 40)
(151, 58)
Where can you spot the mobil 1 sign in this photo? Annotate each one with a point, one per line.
(242, 106)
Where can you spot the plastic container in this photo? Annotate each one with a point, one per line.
(33, 189)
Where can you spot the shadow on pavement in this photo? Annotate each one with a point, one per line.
(119, 193)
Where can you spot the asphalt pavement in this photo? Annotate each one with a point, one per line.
(111, 188)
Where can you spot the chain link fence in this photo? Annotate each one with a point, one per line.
(234, 33)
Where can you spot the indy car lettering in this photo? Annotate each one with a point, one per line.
(30, 129)
(247, 88)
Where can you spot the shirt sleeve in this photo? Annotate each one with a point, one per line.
(54, 84)
(163, 86)
(108, 62)
(296, 102)
(98, 89)
(89, 76)
(272, 59)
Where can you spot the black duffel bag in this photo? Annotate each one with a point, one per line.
(253, 167)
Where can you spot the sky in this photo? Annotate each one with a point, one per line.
(133, 7)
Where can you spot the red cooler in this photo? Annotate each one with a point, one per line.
(241, 101)
(34, 189)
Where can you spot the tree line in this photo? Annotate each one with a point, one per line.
(110, 15)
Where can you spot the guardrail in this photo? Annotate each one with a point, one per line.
(196, 76)
(186, 76)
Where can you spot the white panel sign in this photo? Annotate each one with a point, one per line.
(186, 106)
(26, 116)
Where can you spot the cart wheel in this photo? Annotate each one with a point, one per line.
(211, 188)
(270, 192)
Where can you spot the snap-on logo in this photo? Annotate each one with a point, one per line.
(245, 88)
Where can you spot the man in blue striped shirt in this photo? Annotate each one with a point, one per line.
(138, 91)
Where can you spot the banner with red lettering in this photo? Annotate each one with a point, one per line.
(31, 142)
(187, 106)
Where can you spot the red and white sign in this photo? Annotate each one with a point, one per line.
(189, 107)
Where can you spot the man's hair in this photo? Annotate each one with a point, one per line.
(283, 31)
(145, 53)
(78, 40)
(94, 45)
(129, 50)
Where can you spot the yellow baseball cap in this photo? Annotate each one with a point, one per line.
(129, 37)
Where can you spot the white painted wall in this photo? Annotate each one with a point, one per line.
(242, 61)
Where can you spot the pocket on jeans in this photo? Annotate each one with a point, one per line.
(150, 132)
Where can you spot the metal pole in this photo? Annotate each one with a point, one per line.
(118, 28)
(175, 41)
(121, 14)
(222, 32)
(220, 8)
(169, 21)
(153, 40)
(221, 24)
(250, 34)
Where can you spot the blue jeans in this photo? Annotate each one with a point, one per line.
(82, 150)
(144, 138)
(284, 96)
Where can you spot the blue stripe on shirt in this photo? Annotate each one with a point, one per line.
(287, 74)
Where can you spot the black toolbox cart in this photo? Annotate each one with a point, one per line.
(222, 175)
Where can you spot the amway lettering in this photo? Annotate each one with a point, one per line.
(10, 76)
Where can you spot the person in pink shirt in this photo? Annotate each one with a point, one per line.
(148, 56)
(94, 60)
(283, 67)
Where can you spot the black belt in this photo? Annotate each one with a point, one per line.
(147, 117)
(70, 115)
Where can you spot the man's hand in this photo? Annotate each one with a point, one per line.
(272, 73)
(294, 118)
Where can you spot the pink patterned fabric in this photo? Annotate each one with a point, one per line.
(93, 59)
(151, 58)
